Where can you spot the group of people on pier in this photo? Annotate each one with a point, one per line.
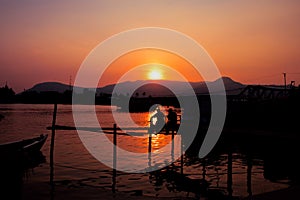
(160, 122)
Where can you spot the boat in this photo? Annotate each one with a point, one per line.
(17, 160)
(27, 145)
(23, 154)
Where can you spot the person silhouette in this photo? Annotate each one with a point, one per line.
(172, 120)
(157, 121)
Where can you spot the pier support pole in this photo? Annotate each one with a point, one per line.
(149, 149)
(181, 153)
(52, 150)
(172, 148)
(229, 174)
(150, 142)
(203, 168)
(114, 159)
(249, 171)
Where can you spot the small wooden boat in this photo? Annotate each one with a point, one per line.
(23, 154)
(26, 145)
(16, 160)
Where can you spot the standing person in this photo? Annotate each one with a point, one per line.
(157, 121)
(172, 120)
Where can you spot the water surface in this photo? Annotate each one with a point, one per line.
(232, 172)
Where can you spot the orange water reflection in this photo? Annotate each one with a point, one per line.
(140, 144)
(136, 144)
(160, 140)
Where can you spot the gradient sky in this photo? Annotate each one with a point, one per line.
(250, 41)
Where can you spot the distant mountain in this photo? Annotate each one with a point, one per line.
(49, 87)
(232, 87)
(145, 88)
(148, 87)
(165, 88)
(153, 89)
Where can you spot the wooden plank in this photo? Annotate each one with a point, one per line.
(59, 127)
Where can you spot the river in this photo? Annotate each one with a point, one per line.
(75, 165)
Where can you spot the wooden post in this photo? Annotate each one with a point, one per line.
(149, 160)
(172, 148)
(52, 148)
(149, 148)
(229, 174)
(203, 168)
(150, 142)
(114, 159)
(249, 170)
(181, 152)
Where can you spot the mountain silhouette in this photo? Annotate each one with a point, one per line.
(232, 87)
(49, 87)
(145, 88)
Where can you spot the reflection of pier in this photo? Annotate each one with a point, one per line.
(181, 182)
(150, 166)
(270, 162)
(175, 174)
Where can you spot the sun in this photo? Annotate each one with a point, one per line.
(155, 75)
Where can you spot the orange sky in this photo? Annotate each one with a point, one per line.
(149, 56)
(252, 42)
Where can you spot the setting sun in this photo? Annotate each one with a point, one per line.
(155, 75)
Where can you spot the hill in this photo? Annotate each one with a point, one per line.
(49, 87)
(150, 88)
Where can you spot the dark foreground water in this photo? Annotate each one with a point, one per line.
(239, 166)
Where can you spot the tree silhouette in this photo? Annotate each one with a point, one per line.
(6, 94)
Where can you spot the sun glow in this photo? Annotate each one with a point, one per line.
(155, 75)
